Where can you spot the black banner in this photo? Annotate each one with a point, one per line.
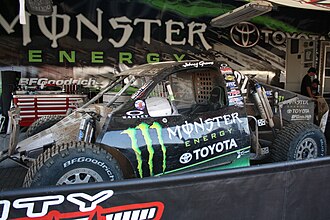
(292, 190)
(98, 33)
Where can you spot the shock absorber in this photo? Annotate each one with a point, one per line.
(265, 104)
(259, 105)
(86, 129)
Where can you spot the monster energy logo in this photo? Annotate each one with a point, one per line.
(144, 128)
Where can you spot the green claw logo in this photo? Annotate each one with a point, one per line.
(144, 128)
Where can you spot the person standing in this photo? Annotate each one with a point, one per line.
(315, 87)
(306, 83)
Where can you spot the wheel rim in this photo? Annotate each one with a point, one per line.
(307, 149)
(79, 175)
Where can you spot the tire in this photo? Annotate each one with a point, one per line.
(73, 163)
(298, 141)
(42, 124)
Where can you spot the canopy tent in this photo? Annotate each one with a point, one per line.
(323, 5)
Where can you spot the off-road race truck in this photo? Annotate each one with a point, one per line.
(171, 118)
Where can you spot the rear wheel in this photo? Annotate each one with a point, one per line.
(298, 141)
(73, 163)
(43, 123)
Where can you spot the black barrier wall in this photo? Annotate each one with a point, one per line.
(295, 190)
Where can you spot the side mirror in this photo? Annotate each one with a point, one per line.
(39, 7)
(158, 106)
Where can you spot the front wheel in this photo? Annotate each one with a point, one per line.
(73, 163)
(299, 141)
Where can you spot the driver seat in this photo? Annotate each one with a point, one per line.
(216, 99)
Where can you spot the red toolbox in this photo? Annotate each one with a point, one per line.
(33, 107)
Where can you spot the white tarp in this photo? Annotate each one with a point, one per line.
(323, 5)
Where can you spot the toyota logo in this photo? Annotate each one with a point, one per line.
(185, 158)
(245, 34)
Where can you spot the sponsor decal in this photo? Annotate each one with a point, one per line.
(236, 101)
(4, 209)
(89, 160)
(246, 34)
(145, 131)
(226, 70)
(231, 85)
(269, 93)
(210, 150)
(44, 208)
(81, 134)
(197, 64)
(185, 158)
(264, 150)
(301, 117)
(124, 25)
(281, 98)
(141, 90)
(235, 98)
(242, 153)
(242, 80)
(301, 102)
(206, 138)
(234, 93)
(230, 78)
(58, 82)
(140, 105)
(208, 125)
(36, 56)
(298, 111)
(261, 122)
(135, 114)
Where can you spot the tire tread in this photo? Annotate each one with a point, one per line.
(63, 150)
(280, 148)
(43, 123)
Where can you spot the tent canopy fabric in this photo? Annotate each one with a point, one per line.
(305, 4)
